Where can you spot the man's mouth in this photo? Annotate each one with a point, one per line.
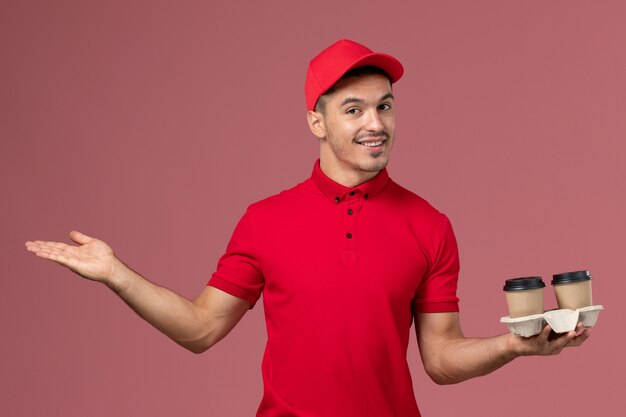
(371, 144)
(373, 139)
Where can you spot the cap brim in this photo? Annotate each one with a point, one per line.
(387, 63)
(392, 67)
(317, 85)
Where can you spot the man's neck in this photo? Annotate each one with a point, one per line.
(346, 177)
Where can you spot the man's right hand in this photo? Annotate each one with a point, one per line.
(92, 259)
(194, 324)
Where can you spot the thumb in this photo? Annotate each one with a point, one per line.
(80, 238)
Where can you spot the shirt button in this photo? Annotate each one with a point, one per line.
(365, 196)
(351, 193)
(337, 199)
(349, 235)
(349, 212)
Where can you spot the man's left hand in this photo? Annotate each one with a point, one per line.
(545, 343)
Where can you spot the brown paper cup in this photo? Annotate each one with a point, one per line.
(524, 296)
(573, 295)
(525, 303)
(572, 289)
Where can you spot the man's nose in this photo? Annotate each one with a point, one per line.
(373, 122)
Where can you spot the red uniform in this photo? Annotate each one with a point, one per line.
(342, 271)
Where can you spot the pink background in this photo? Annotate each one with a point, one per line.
(152, 125)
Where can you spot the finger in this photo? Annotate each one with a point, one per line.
(47, 246)
(48, 251)
(55, 245)
(62, 259)
(31, 246)
(35, 247)
(580, 339)
(35, 243)
(79, 237)
(42, 243)
(585, 334)
(43, 252)
(59, 257)
(579, 329)
(545, 333)
(558, 344)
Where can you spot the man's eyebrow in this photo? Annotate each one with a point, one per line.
(348, 100)
(351, 100)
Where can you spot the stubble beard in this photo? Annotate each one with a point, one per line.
(379, 160)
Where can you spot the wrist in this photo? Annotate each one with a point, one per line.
(119, 277)
(511, 348)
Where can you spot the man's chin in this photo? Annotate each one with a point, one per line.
(378, 163)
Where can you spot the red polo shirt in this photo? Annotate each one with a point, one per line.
(341, 270)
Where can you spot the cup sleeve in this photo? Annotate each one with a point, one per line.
(437, 290)
(238, 272)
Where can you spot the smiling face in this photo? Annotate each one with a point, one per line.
(356, 128)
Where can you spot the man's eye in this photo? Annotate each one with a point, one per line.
(385, 106)
(352, 110)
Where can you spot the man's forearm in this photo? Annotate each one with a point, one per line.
(467, 358)
(172, 314)
(449, 357)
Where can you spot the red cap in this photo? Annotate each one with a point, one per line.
(340, 57)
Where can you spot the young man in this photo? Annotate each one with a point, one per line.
(346, 261)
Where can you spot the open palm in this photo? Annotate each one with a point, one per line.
(92, 259)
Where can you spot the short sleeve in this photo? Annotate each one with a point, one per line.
(437, 291)
(238, 272)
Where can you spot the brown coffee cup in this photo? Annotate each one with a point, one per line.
(572, 289)
(524, 296)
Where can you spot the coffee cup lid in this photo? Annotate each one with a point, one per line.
(524, 283)
(568, 277)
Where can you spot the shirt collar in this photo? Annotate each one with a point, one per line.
(337, 192)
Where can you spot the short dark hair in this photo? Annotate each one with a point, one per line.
(320, 106)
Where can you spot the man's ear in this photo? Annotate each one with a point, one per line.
(316, 123)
